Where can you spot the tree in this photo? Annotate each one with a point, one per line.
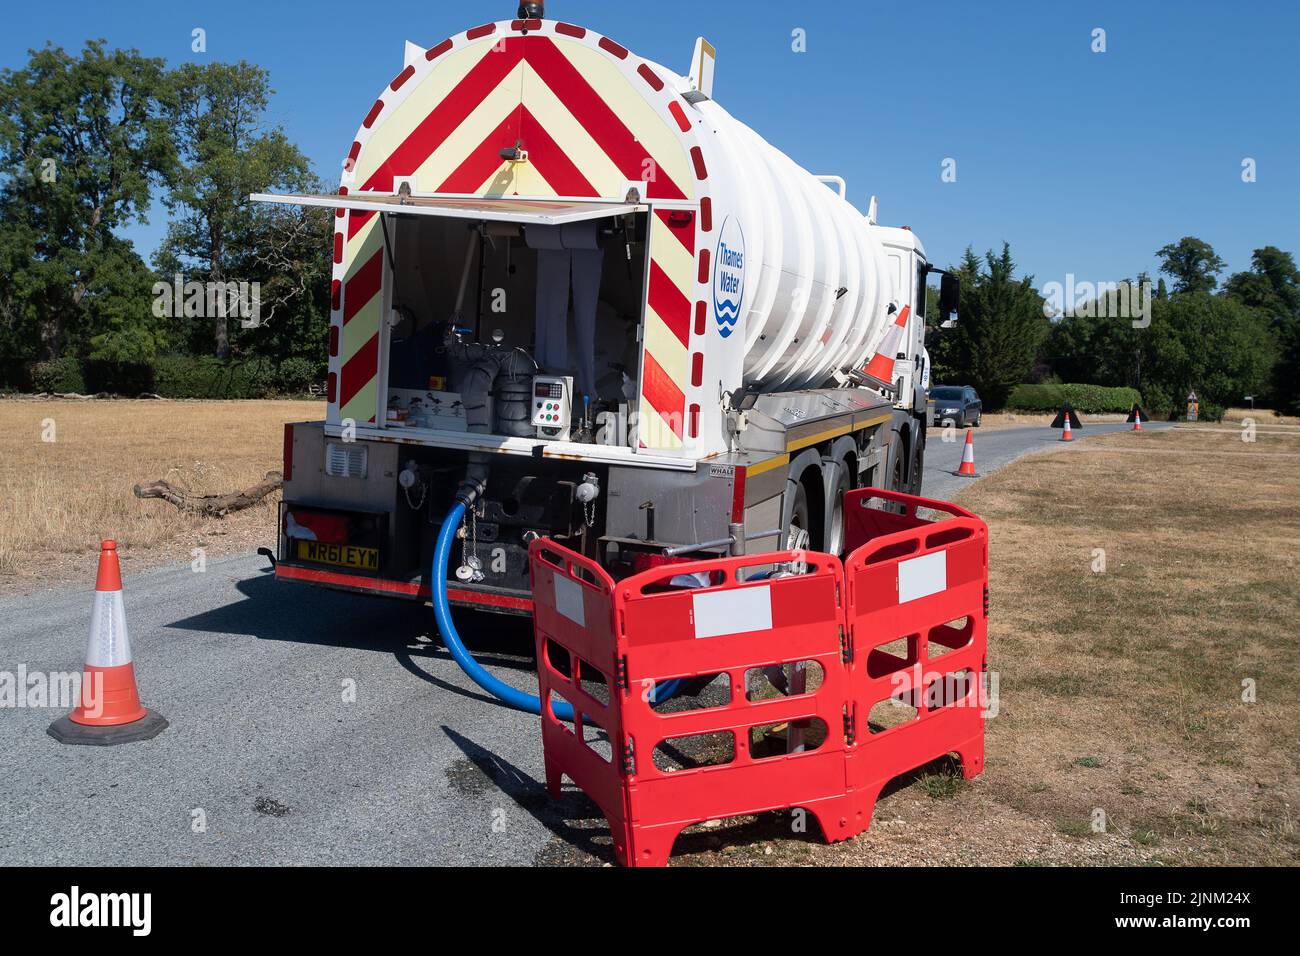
(83, 142)
(1208, 343)
(1096, 342)
(226, 152)
(287, 250)
(1192, 263)
(1001, 324)
(1272, 288)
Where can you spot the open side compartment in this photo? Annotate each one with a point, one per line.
(507, 318)
(518, 329)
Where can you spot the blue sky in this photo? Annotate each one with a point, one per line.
(1086, 162)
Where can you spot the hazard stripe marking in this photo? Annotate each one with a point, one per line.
(475, 133)
(359, 370)
(553, 162)
(363, 286)
(485, 158)
(684, 233)
(667, 349)
(669, 303)
(446, 117)
(662, 392)
(358, 219)
(597, 117)
(569, 136)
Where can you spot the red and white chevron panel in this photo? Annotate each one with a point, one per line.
(592, 117)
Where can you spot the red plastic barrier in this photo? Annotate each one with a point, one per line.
(605, 647)
(918, 626)
(573, 608)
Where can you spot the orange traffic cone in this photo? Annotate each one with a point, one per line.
(110, 711)
(1066, 434)
(1137, 423)
(967, 469)
(881, 367)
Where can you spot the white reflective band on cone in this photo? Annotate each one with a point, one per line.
(109, 646)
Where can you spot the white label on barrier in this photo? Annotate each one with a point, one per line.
(923, 576)
(568, 600)
(732, 612)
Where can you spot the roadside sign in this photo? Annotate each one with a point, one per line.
(1193, 407)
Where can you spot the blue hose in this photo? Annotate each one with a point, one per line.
(442, 614)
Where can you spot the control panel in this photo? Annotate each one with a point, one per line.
(552, 406)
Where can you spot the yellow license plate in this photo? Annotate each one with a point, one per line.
(343, 555)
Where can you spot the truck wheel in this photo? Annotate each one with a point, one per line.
(799, 535)
(835, 544)
(895, 476)
(917, 471)
(897, 467)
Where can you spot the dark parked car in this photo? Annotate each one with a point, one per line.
(959, 404)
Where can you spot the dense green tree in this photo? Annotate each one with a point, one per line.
(226, 151)
(83, 143)
(1097, 343)
(1272, 288)
(1211, 344)
(1001, 324)
(1192, 263)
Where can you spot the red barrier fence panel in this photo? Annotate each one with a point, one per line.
(765, 634)
(769, 629)
(579, 660)
(917, 616)
(796, 682)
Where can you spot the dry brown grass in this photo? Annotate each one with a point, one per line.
(61, 497)
(1122, 690)
(1141, 667)
(1040, 419)
(1262, 416)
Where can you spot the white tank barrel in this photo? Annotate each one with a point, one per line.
(817, 284)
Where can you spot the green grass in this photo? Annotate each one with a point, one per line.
(942, 786)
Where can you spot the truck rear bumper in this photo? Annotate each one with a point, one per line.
(411, 590)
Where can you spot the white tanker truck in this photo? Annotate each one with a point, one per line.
(574, 294)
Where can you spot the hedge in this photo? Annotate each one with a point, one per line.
(170, 376)
(188, 376)
(57, 375)
(1089, 399)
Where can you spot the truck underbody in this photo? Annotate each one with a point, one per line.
(371, 534)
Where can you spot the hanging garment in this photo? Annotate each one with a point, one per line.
(568, 256)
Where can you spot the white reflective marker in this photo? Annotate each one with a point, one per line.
(923, 576)
(732, 612)
(568, 600)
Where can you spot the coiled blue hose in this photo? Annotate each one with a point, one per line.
(499, 689)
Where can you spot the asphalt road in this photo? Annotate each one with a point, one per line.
(995, 447)
(266, 762)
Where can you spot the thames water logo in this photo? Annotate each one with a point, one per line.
(729, 276)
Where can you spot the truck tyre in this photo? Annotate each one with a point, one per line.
(917, 470)
(800, 516)
(835, 531)
(896, 466)
(895, 474)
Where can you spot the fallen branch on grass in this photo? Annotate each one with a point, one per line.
(211, 506)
